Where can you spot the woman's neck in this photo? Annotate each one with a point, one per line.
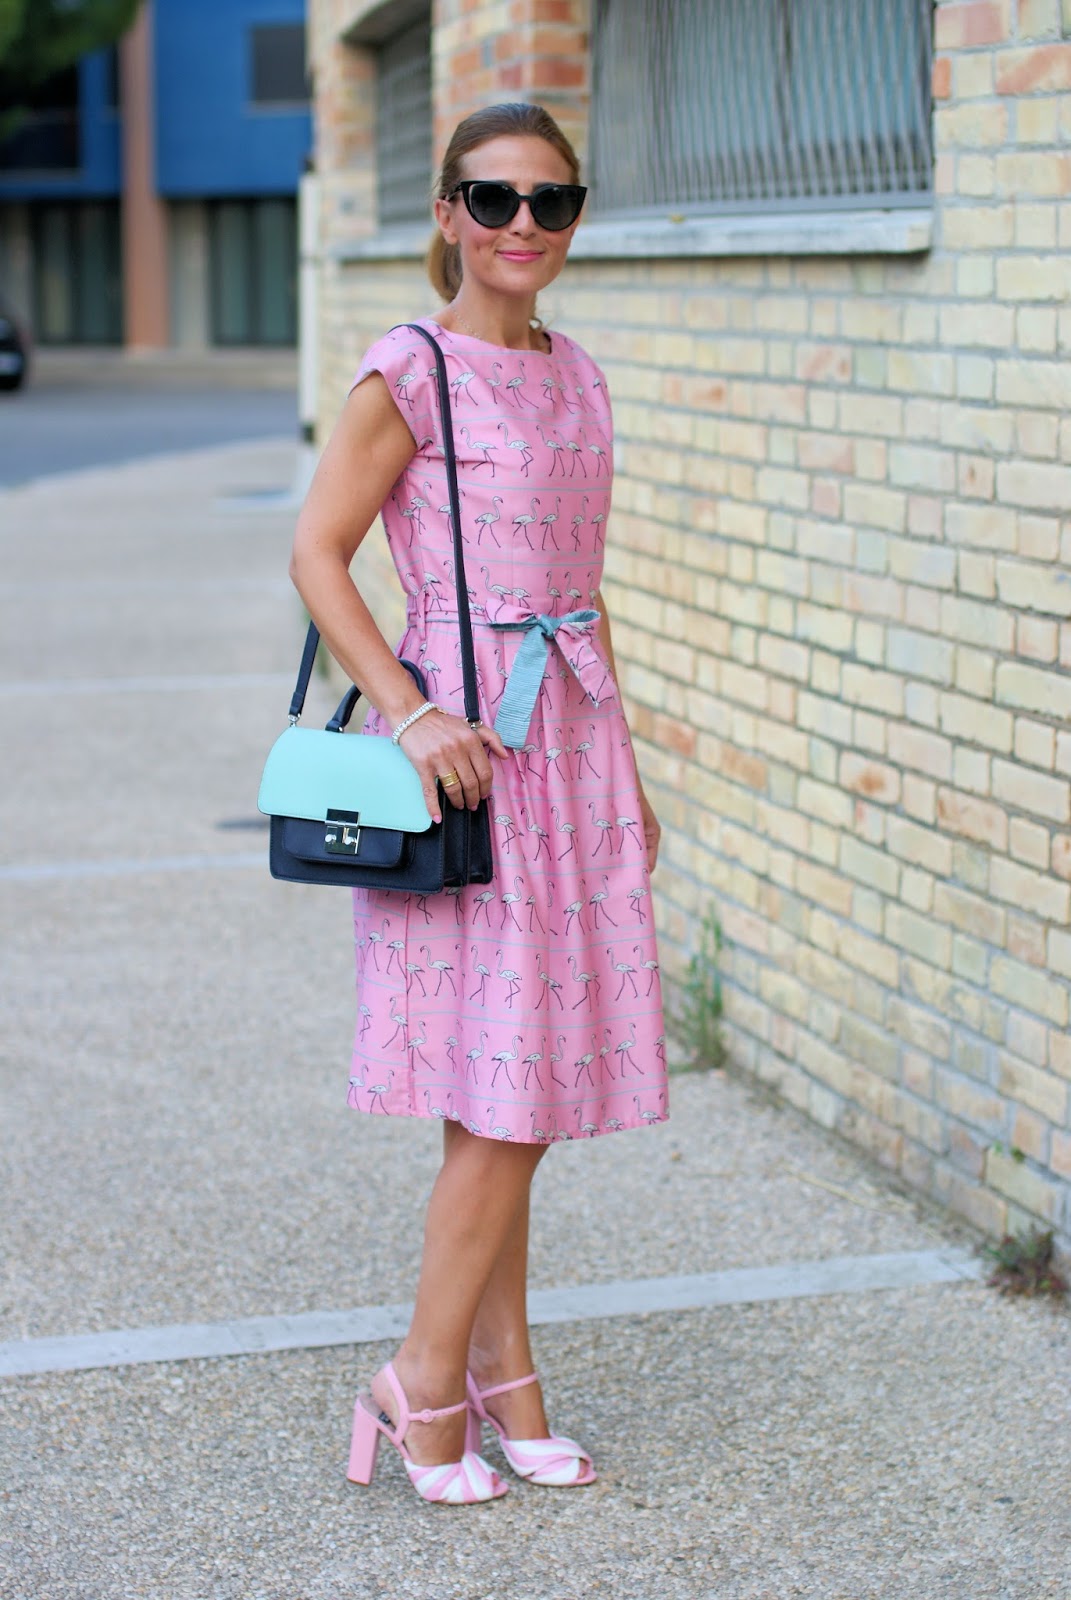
(497, 322)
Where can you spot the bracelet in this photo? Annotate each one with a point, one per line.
(429, 705)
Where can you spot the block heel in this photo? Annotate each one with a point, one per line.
(364, 1445)
(465, 1482)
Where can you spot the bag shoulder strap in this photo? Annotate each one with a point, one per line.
(468, 663)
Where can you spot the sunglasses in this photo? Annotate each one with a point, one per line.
(554, 206)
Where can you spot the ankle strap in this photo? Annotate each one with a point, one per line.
(503, 1388)
(405, 1415)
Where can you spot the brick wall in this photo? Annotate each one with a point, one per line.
(839, 573)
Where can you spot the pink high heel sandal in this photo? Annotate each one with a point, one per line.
(457, 1483)
(555, 1462)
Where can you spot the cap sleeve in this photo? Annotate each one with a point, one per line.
(403, 361)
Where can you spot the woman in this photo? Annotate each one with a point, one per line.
(527, 1009)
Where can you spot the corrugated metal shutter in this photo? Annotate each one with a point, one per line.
(403, 125)
(743, 104)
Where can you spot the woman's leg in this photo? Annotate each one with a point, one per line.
(499, 1349)
(477, 1198)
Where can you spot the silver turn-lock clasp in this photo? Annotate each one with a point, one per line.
(342, 833)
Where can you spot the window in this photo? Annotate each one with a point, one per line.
(111, 79)
(403, 124)
(778, 104)
(278, 74)
(46, 135)
(253, 271)
(77, 272)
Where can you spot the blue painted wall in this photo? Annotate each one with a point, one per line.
(98, 172)
(211, 138)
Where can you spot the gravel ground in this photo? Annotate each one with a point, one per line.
(173, 1062)
(835, 1448)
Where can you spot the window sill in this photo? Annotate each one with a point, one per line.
(784, 233)
(403, 243)
(801, 233)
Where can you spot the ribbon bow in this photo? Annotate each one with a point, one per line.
(519, 697)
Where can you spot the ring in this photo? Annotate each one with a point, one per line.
(448, 779)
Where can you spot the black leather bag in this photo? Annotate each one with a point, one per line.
(332, 806)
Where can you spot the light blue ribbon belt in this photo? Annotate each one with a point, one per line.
(569, 632)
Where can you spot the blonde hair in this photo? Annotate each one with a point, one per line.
(517, 120)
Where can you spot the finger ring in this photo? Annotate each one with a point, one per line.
(448, 779)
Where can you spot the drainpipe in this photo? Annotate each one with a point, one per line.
(146, 310)
(308, 325)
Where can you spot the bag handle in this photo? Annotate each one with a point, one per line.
(468, 662)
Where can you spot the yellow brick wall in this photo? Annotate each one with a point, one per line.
(839, 573)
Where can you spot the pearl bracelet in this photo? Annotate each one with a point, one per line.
(429, 705)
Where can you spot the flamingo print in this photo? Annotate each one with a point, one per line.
(443, 968)
(515, 388)
(582, 750)
(551, 985)
(485, 972)
(509, 900)
(531, 1064)
(456, 1003)
(517, 444)
(503, 1058)
(500, 1132)
(627, 972)
(472, 1056)
(585, 979)
(624, 1049)
(484, 449)
(637, 897)
(405, 380)
(555, 447)
(568, 828)
(487, 520)
(540, 832)
(524, 519)
(415, 1041)
(376, 1091)
(575, 448)
(599, 452)
(547, 521)
(511, 979)
(460, 385)
(605, 825)
(598, 900)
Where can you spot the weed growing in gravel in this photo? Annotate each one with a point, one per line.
(695, 1018)
(1024, 1265)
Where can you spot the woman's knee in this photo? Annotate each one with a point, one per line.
(491, 1157)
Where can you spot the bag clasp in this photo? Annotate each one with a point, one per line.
(342, 834)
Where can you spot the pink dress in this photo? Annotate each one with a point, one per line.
(528, 1008)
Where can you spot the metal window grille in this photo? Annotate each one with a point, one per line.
(278, 73)
(733, 105)
(403, 124)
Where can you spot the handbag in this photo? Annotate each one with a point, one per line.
(349, 809)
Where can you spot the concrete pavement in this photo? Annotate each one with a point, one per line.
(89, 407)
(174, 1033)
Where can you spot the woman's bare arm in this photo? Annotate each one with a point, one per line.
(364, 457)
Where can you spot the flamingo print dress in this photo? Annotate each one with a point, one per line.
(528, 1008)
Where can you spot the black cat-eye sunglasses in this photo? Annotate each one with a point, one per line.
(554, 206)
